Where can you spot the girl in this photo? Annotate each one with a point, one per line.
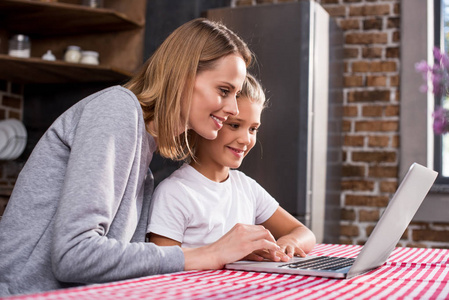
(79, 210)
(202, 200)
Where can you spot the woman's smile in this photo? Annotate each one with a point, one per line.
(215, 95)
(218, 121)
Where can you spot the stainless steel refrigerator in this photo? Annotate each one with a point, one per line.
(297, 159)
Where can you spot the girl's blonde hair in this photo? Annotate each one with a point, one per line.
(252, 89)
(164, 85)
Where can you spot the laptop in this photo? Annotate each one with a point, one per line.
(382, 241)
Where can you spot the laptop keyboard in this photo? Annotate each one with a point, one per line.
(321, 263)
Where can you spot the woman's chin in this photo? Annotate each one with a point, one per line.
(211, 135)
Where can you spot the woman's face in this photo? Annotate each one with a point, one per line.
(215, 95)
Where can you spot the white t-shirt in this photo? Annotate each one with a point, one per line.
(196, 211)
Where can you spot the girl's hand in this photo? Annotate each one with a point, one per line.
(292, 236)
(239, 242)
(290, 246)
(260, 255)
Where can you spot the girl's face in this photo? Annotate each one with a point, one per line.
(234, 140)
(214, 95)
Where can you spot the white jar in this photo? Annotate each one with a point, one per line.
(89, 58)
(72, 54)
(19, 46)
(49, 56)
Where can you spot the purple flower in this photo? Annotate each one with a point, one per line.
(423, 88)
(437, 53)
(441, 57)
(422, 67)
(438, 84)
(440, 120)
(438, 77)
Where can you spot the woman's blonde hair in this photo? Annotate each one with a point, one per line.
(164, 85)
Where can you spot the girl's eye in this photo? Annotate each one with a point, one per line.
(253, 130)
(233, 125)
(224, 92)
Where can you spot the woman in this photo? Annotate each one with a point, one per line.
(79, 210)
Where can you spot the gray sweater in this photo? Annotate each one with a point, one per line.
(79, 209)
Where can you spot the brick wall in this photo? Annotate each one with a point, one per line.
(371, 118)
(371, 115)
(11, 106)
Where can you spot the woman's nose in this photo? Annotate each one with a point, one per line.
(231, 107)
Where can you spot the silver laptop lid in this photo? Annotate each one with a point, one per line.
(397, 216)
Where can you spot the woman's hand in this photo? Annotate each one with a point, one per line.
(238, 243)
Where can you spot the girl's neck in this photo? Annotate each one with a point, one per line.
(210, 171)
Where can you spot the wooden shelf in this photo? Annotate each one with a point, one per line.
(116, 32)
(36, 70)
(54, 18)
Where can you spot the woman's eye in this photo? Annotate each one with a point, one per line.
(224, 92)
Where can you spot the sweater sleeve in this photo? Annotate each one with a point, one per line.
(102, 154)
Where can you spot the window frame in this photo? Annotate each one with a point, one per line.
(441, 180)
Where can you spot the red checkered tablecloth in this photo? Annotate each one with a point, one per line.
(410, 273)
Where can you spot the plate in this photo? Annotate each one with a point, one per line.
(20, 138)
(18, 126)
(15, 135)
(10, 140)
(3, 139)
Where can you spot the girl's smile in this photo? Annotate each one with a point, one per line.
(238, 153)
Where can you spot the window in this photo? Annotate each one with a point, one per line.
(441, 143)
(417, 142)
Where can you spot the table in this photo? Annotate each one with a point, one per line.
(409, 273)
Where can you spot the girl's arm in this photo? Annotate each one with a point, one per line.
(292, 236)
(162, 240)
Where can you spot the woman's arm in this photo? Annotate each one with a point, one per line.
(234, 245)
(104, 149)
(237, 243)
(292, 236)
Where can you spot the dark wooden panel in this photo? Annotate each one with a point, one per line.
(54, 18)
